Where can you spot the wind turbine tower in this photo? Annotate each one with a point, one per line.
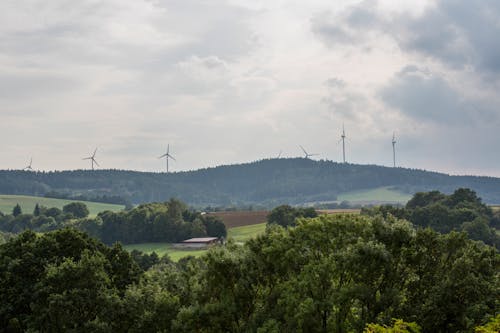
(167, 156)
(92, 159)
(342, 138)
(394, 149)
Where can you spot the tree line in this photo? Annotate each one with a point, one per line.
(462, 210)
(270, 182)
(336, 273)
(170, 221)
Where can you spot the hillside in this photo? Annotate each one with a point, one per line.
(27, 203)
(267, 182)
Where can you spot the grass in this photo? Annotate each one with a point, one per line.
(244, 233)
(27, 203)
(239, 234)
(381, 194)
(164, 248)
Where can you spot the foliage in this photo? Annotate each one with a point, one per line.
(336, 273)
(286, 215)
(60, 281)
(493, 326)
(77, 209)
(269, 182)
(462, 210)
(399, 326)
(156, 222)
(28, 204)
(16, 210)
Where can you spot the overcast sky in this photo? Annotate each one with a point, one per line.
(235, 81)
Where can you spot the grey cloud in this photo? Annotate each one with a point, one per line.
(335, 83)
(34, 85)
(351, 26)
(424, 96)
(456, 33)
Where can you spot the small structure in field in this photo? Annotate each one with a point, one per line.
(198, 243)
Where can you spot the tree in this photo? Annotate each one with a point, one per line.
(77, 209)
(61, 271)
(286, 215)
(71, 295)
(399, 326)
(493, 326)
(17, 210)
(36, 211)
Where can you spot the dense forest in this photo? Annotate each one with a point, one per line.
(462, 210)
(170, 221)
(336, 273)
(268, 182)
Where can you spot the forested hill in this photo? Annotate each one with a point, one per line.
(269, 182)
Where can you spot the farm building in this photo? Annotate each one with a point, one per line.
(202, 242)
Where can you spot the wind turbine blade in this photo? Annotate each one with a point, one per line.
(162, 156)
(87, 158)
(95, 151)
(96, 162)
(305, 152)
(171, 157)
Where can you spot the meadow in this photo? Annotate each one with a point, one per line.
(27, 203)
(241, 226)
(376, 195)
(238, 234)
(164, 248)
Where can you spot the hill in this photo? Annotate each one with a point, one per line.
(265, 183)
(27, 203)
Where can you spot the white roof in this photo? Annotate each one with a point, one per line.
(200, 240)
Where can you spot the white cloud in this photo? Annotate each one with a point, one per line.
(231, 81)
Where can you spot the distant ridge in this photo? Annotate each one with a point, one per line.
(265, 182)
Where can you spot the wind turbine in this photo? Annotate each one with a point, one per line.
(342, 138)
(92, 159)
(394, 148)
(306, 154)
(29, 166)
(167, 155)
(279, 155)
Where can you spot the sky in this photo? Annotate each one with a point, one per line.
(233, 81)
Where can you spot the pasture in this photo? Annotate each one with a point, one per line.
(27, 203)
(164, 248)
(238, 234)
(244, 233)
(377, 195)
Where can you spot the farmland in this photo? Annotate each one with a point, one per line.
(27, 203)
(238, 234)
(162, 249)
(241, 218)
(376, 195)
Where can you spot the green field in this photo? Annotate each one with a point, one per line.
(244, 233)
(164, 248)
(239, 234)
(27, 203)
(381, 194)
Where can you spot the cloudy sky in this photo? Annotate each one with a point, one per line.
(231, 81)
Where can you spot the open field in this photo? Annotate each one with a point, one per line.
(377, 195)
(239, 234)
(241, 218)
(244, 233)
(27, 203)
(339, 211)
(164, 248)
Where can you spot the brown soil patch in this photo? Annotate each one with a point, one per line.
(241, 218)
